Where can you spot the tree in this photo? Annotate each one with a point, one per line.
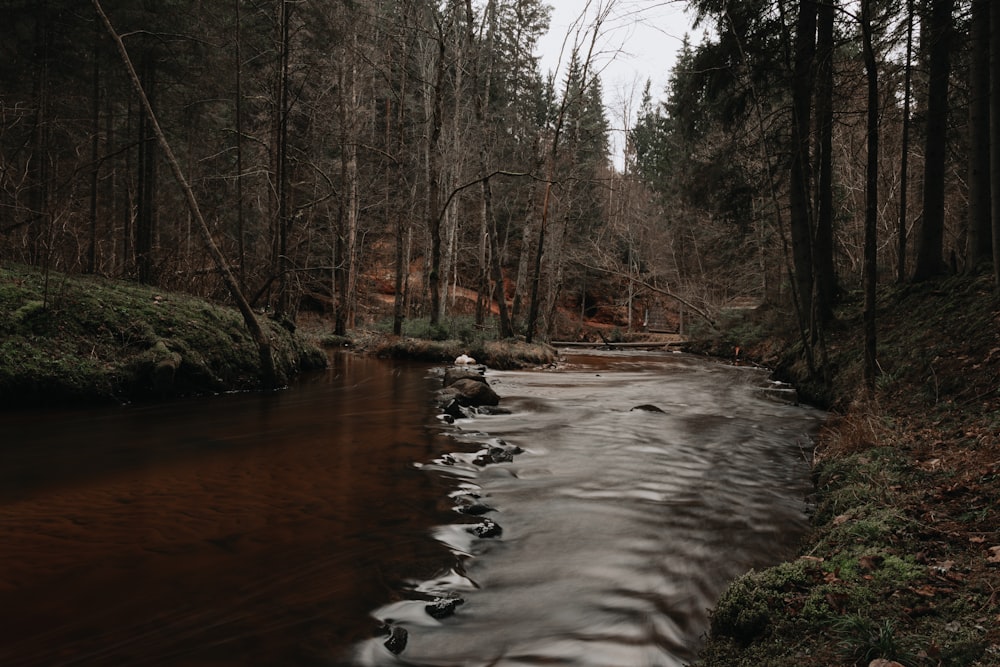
(904, 161)
(937, 29)
(871, 195)
(576, 88)
(979, 236)
(995, 136)
(799, 167)
(267, 370)
(826, 270)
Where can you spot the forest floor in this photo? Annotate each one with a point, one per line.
(903, 561)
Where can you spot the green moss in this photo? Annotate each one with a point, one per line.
(94, 339)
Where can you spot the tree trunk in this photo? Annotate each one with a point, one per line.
(145, 222)
(995, 136)
(904, 173)
(979, 247)
(39, 222)
(930, 242)
(801, 224)
(823, 265)
(279, 252)
(434, 214)
(871, 198)
(95, 149)
(347, 93)
(240, 209)
(260, 338)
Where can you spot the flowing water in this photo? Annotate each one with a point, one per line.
(285, 529)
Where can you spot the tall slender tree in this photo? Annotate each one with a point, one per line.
(871, 196)
(937, 30)
(826, 271)
(979, 247)
(800, 186)
(904, 160)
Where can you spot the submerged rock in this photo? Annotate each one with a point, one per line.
(453, 409)
(499, 453)
(471, 505)
(647, 407)
(490, 410)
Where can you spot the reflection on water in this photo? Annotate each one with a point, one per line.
(283, 529)
(237, 530)
(620, 526)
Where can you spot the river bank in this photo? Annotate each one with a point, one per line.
(83, 339)
(902, 562)
(71, 339)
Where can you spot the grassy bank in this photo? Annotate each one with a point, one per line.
(903, 561)
(72, 339)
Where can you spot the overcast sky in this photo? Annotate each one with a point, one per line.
(639, 41)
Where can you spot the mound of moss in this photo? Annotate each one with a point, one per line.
(70, 339)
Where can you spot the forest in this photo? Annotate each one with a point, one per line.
(409, 159)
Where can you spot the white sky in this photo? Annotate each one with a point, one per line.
(639, 41)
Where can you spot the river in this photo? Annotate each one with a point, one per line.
(285, 529)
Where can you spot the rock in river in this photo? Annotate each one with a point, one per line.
(468, 393)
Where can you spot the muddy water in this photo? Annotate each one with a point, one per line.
(620, 527)
(282, 530)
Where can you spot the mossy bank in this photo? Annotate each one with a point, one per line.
(72, 339)
(903, 561)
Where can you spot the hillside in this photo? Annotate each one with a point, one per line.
(904, 559)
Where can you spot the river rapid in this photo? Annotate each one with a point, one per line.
(292, 529)
(620, 526)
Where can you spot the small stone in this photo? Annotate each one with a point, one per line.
(487, 528)
(397, 639)
(476, 509)
(443, 607)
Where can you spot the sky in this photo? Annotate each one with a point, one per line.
(639, 41)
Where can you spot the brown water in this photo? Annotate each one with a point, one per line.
(235, 530)
(282, 529)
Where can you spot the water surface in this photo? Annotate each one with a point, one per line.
(284, 529)
(236, 530)
(620, 526)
